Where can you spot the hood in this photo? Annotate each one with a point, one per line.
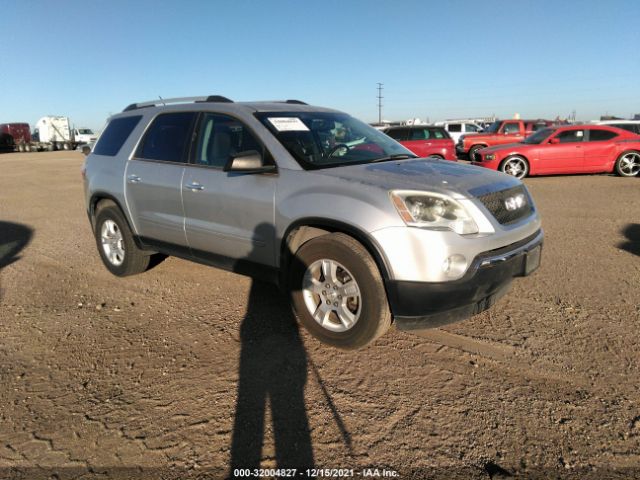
(441, 176)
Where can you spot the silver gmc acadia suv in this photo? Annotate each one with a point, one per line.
(358, 230)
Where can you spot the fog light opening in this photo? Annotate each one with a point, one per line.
(455, 265)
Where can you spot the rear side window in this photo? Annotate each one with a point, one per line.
(469, 128)
(167, 139)
(438, 133)
(455, 127)
(601, 135)
(419, 134)
(115, 135)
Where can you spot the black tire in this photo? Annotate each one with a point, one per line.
(135, 260)
(515, 160)
(374, 313)
(626, 170)
(473, 150)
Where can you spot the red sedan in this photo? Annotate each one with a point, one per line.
(570, 149)
(424, 141)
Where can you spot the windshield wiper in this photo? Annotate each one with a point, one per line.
(397, 156)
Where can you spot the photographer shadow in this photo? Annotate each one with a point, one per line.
(14, 237)
(632, 235)
(273, 373)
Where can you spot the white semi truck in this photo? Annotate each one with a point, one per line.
(51, 133)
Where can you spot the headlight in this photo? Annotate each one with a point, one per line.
(433, 211)
(490, 156)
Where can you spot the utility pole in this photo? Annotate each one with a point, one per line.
(380, 102)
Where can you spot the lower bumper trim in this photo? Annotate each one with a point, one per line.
(440, 319)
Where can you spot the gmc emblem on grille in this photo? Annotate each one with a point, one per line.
(514, 203)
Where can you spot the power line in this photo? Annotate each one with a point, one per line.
(380, 102)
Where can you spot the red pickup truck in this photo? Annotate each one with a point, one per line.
(500, 132)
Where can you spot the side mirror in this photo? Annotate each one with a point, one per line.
(249, 161)
(554, 141)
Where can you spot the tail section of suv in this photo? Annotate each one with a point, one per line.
(424, 140)
(358, 230)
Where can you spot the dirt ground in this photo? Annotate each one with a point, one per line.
(189, 372)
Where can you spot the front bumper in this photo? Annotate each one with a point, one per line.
(417, 305)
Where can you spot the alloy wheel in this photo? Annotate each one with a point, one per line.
(332, 295)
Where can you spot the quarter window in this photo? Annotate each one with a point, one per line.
(220, 137)
(167, 139)
(601, 135)
(115, 135)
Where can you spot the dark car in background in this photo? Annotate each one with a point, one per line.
(424, 140)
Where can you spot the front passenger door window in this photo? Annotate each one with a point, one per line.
(570, 136)
(511, 128)
(220, 138)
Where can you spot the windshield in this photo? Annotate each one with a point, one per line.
(85, 131)
(493, 128)
(538, 137)
(328, 139)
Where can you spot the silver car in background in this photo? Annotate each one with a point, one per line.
(358, 230)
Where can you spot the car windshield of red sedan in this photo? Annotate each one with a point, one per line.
(538, 137)
(326, 139)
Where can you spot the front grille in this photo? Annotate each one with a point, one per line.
(495, 203)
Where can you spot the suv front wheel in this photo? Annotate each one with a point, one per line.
(337, 292)
(114, 239)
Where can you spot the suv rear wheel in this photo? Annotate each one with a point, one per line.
(337, 292)
(114, 239)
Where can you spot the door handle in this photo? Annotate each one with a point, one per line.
(194, 187)
(133, 179)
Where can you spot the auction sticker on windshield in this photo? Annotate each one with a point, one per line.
(288, 124)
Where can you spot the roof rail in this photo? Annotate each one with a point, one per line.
(164, 101)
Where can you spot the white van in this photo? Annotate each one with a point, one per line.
(458, 128)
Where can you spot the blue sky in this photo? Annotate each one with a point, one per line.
(437, 59)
